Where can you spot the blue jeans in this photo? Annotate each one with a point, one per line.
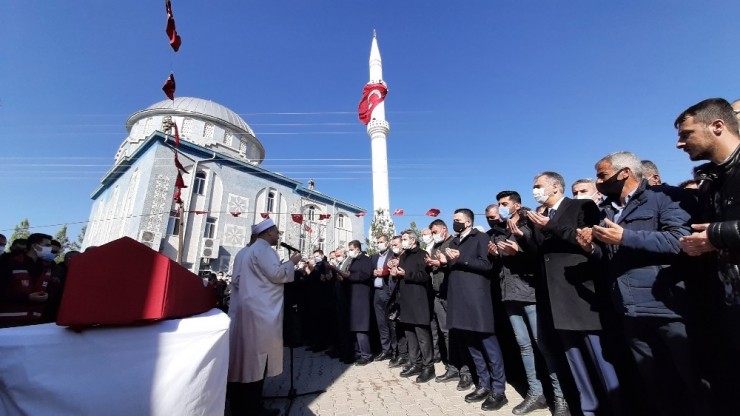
(523, 318)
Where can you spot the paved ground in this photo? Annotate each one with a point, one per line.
(373, 389)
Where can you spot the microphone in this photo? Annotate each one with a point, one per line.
(289, 247)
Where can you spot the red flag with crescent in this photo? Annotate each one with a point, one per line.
(265, 215)
(360, 214)
(169, 87)
(308, 229)
(324, 216)
(297, 218)
(433, 212)
(179, 165)
(175, 40)
(398, 212)
(180, 182)
(235, 213)
(372, 95)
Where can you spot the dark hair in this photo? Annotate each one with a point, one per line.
(466, 212)
(355, 243)
(36, 238)
(56, 243)
(3, 236)
(19, 241)
(319, 251)
(687, 182)
(705, 112)
(396, 237)
(438, 223)
(513, 195)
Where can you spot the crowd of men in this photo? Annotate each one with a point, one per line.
(623, 300)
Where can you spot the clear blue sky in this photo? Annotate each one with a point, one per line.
(483, 94)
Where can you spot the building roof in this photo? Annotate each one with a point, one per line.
(193, 106)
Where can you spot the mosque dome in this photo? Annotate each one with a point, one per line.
(199, 121)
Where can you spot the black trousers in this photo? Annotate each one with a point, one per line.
(419, 338)
(245, 399)
(440, 332)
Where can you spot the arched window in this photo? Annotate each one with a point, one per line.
(199, 186)
(342, 230)
(311, 213)
(270, 204)
(208, 130)
(228, 137)
(187, 126)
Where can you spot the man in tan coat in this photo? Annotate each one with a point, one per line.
(256, 312)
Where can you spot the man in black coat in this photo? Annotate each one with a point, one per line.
(416, 307)
(384, 287)
(573, 299)
(470, 309)
(708, 130)
(360, 276)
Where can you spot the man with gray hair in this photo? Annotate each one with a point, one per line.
(638, 242)
(651, 173)
(585, 189)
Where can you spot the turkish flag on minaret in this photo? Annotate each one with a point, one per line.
(372, 95)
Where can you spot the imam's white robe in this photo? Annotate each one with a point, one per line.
(256, 312)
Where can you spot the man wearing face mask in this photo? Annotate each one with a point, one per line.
(639, 244)
(415, 301)
(569, 276)
(516, 249)
(24, 282)
(470, 309)
(426, 238)
(344, 342)
(585, 189)
(384, 286)
(401, 350)
(360, 277)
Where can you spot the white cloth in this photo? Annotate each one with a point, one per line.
(256, 311)
(171, 367)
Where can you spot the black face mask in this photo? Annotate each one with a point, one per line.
(612, 187)
(494, 223)
(458, 227)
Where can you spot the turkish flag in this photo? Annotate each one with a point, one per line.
(265, 215)
(199, 212)
(179, 165)
(398, 212)
(176, 196)
(433, 212)
(308, 229)
(360, 214)
(235, 213)
(169, 88)
(372, 95)
(297, 218)
(179, 182)
(177, 135)
(175, 40)
(324, 216)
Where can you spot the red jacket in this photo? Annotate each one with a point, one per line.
(20, 276)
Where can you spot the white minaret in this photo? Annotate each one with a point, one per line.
(378, 130)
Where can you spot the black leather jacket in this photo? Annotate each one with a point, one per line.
(719, 196)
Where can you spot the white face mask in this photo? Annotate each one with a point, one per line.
(46, 253)
(539, 195)
(427, 238)
(437, 238)
(382, 246)
(582, 196)
(317, 259)
(405, 244)
(396, 250)
(352, 254)
(2, 249)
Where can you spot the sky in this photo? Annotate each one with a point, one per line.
(483, 94)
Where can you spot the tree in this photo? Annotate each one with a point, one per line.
(81, 236)
(67, 245)
(21, 230)
(380, 225)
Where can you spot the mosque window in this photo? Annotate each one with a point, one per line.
(312, 213)
(210, 230)
(187, 126)
(173, 226)
(242, 147)
(340, 221)
(343, 230)
(208, 131)
(270, 202)
(228, 137)
(199, 186)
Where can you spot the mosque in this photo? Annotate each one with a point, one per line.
(227, 191)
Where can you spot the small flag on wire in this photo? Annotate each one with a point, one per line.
(433, 212)
(199, 212)
(169, 87)
(308, 229)
(179, 165)
(235, 213)
(398, 212)
(297, 218)
(324, 216)
(265, 215)
(174, 38)
(360, 214)
(180, 182)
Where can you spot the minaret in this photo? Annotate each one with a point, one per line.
(378, 130)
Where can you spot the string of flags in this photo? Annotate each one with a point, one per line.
(299, 218)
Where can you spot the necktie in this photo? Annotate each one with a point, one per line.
(551, 213)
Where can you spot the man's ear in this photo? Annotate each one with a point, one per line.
(717, 127)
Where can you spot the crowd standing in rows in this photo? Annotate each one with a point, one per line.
(628, 293)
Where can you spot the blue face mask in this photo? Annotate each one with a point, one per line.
(504, 213)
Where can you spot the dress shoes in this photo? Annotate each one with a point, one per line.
(332, 353)
(560, 407)
(480, 393)
(265, 411)
(531, 403)
(494, 401)
(426, 374)
(399, 361)
(383, 356)
(466, 380)
(363, 361)
(449, 375)
(411, 371)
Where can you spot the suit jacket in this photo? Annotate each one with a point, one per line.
(416, 288)
(569, 273)
(360, 280)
